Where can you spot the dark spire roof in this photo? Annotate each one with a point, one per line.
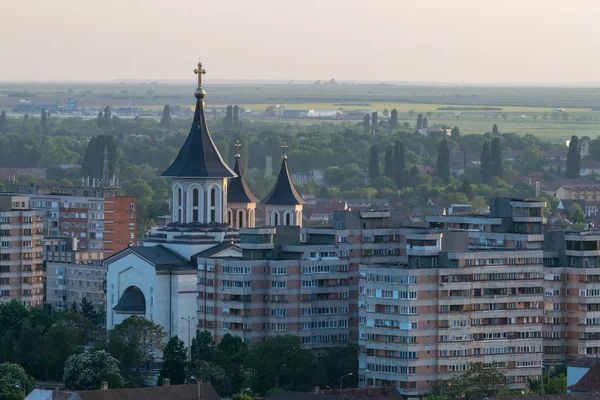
(284, 192)
(132, 302)
(199, 157)
(238, 190)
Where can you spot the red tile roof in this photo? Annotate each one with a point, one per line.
(590, 382)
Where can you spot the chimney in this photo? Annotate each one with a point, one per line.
(316, 390)
(166, 382)
(104, 386)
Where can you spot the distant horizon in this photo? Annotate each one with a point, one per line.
(461, 42)
(208, 83)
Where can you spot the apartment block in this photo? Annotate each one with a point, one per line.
(470, 289)
(73, 274)
(292, 280)
(21, 265)
(100, 218)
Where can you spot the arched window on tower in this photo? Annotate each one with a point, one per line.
(195, 205)
(240, 219)
(213, 205)
(275, 218)
(288, 218)
(179, 204)
(229, 217)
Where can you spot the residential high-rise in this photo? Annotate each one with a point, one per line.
(471, 289)
(21, 265)
(73, 274)
(100, 218)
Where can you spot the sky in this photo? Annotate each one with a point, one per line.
(454, 41)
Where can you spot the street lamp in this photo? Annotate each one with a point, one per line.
(342, 377)
(188, 320)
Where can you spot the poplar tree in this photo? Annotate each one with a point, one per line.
(419, 121)
(399, 164)
(485, 164)
(496, 157)
(374, 121)
(394, 119)
(165, 120)
(374, 163)
(366, 124)
(573, 159)
(443, 162)
(388, 166)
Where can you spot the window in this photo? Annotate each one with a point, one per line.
(195, 204)
(240, 218)
(278, 284)
(131, 225)
(132, 205)
(213, 205)
(5, 244)
(288, 219)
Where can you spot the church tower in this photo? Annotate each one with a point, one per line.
(241, 202)
(199, 176)
(283, 206)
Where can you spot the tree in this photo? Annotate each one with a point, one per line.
(455, 133)
(280, 361)
(237, 124)
(333, 176)
(443, 162)
(374, 163)
(209, 372)
(466, 188)
(573, 159)
(366, 124)
(107, 117)
(93, 158)
(100, 120)
(386, 112)
(135, 341)
(86, 371)
(3, 121)
(425, 122)
(399, 164)
(394, 119)
(485, 164)
(44, 121)
(374, 121)
(165, 120)
(495, 127)
(228, 120)
(419, 121)
(575, 213)
(203, 346)
(496, 157)
(389, 163)
(174, 362)
(14, 380)
(482, 380)
(340, 361)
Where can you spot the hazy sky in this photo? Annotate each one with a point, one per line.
(375, 40)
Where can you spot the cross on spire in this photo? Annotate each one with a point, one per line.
(284, 147)
(199, 71)
(237, 149)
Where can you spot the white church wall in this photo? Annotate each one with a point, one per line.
(186, 300)
(123, 273)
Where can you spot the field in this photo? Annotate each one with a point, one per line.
(535, 103)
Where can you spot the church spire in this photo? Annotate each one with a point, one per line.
(284, 192)
(199, 156)
(238, 190)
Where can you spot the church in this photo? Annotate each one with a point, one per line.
(213, 214)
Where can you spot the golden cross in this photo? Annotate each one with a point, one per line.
(237, 148)
(284, 147)
(199, 71)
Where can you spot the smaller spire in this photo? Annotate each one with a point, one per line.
(200, 93)
(237, 149)
(284, 147)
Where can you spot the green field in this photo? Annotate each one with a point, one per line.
(578, 102)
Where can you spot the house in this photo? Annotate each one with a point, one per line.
(589, 383)
(590, 208)
(203, 391)
(578, 368)
(368, 393)
(589, 167)
(323, 210)
(578, 191)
